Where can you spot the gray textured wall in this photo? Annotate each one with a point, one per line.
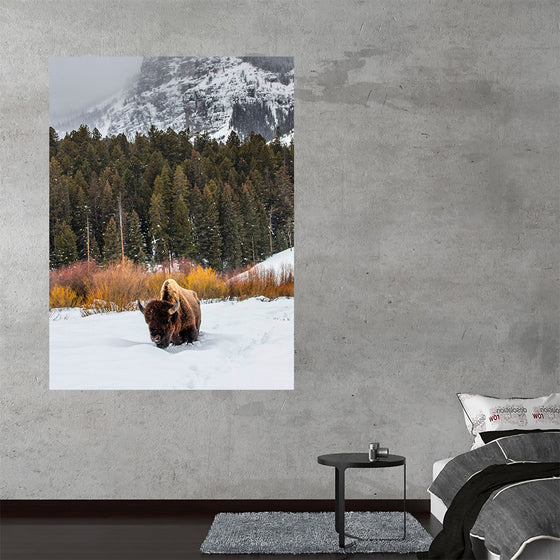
(427, 245)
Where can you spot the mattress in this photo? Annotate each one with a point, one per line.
(437, 507)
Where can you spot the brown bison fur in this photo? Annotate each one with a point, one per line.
(175, 317)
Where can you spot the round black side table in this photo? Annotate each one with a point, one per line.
(343, 461)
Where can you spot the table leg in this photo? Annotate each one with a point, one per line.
(339, 505)
(404, 499)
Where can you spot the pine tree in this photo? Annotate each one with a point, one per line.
(208, 229)
(254, 247)
(59, 197)
(201, 141)
(80, 218)
(231, 225)
(102, 156)
(180, 227)
(188, 176)
(81, 136)
(53, 142)
(154, 136)
(276, 144)
(65, 252)
(66, 155)
(91, 161)
(153, 169)
(116, 153)
(134, 241)
(196, 205)
(258, 185)
(225, 169)
(263, 247)
(95, 215)
(94, 252)
(172, 149)
(136, 166)
(166, 187)
(186, 146)
(130, 188)
(195, 213)
(282, 222)
(111, 243)
(107, 204)
(183, 240)
(232, 147)
(180, 185)
(158, 219)
(117, 184)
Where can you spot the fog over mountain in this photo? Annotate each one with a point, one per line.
(214, 95)
(77, 83)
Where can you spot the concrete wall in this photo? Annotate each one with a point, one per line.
(427, 245)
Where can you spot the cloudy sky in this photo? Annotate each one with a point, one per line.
(78, 82)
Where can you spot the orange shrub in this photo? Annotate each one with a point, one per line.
(63, 296)
(206, 283)
(116, 288)
(76, 276)
(184, 266)
(153, 283)
(263, 283)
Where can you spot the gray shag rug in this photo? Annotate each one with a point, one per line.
(277, 532)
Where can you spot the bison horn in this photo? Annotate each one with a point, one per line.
(175, 308)
(140, 306)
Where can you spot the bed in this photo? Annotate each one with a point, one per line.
(501, 499)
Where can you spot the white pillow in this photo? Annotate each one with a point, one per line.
(490, 414)
(477, 442)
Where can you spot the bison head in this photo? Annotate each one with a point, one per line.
(160, 316)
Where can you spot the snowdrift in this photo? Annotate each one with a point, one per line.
(243, 345)
(277, 263)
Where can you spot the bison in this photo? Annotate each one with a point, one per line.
(175, 317)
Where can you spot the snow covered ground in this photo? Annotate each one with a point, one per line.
(277, 263)
(243, 345)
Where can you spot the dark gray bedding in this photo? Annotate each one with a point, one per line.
(543, 447)
(461, 468)
(534, 447)
(515, 514)
(454, 540)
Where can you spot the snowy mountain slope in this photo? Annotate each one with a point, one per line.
(277, 263)
(214, 95)
(243, 345)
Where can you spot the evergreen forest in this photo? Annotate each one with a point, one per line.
(168, 196)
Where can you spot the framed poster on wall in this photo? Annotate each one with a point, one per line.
(171, 223)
